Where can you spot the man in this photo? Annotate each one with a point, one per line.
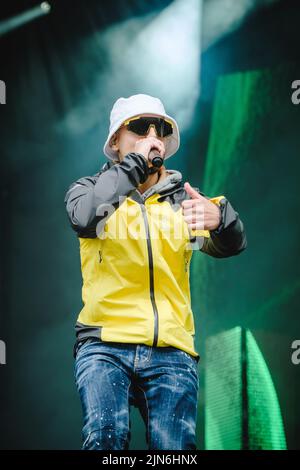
(138, 226)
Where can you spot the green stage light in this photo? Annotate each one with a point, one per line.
(241, 405)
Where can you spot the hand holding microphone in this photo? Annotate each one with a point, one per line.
(152, 149)
(155, 159)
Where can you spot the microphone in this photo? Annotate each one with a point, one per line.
(156, 160)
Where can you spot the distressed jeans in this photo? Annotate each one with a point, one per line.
(162, 382)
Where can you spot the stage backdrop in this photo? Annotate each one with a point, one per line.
(243, 142)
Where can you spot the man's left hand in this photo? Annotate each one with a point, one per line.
(199, 212)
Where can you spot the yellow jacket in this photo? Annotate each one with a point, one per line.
(135, 252)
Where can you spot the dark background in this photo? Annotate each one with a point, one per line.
(244, 143)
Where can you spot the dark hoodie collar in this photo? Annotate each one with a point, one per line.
(172, 180)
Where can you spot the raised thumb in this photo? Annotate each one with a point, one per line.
(191, 192)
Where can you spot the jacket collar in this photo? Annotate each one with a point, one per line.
(168, 185)
(172, 180)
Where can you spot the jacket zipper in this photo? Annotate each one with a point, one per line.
(150, 258)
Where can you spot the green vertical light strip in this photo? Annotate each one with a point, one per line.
(223, 397)
(225, 392)
(266, 429)
(241, 100)
(238, 104)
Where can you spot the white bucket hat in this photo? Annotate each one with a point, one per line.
(125, 108)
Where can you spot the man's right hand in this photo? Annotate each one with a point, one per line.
(144, 147)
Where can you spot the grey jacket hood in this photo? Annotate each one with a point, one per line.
(172, 179)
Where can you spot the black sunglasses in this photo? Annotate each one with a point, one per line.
(140, 125)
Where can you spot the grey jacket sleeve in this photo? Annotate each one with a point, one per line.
(85, 195)
(229, 238)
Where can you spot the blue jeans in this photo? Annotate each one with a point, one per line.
(161, 381)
